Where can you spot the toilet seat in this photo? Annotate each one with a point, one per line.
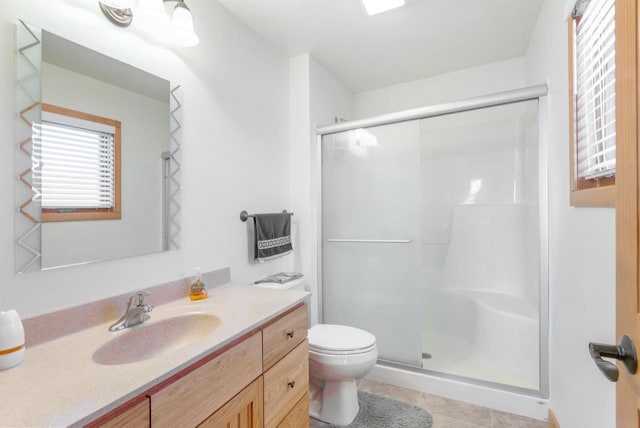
(340, 340)
(351, 352)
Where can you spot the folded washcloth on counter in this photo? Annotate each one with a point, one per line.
(280, 278)
(272, 235)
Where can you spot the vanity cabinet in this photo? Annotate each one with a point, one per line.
(284, 385)
(261, 381)
(243, 411)
(299, 416)
(196, 395)
(286, 366)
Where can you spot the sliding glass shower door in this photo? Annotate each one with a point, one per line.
(369, 229)
(431, 240)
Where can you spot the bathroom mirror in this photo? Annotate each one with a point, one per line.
(65, 94)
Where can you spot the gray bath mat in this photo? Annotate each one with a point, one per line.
(383, 412)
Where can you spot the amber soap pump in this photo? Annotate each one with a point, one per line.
(198, 289)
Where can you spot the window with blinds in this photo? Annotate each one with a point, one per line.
(76, 166)
(595, 80)
(592, 68)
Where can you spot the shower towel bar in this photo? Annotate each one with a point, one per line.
(244, 215)
(373, 241)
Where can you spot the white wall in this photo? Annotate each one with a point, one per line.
(145, 135)
(457, 85)
(316, 98)
(329, 97)
(235, 149)
(300, 147)
(581, 247)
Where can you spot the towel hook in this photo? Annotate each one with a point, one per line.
(244, 215)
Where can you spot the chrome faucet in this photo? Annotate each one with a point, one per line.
(136, 312)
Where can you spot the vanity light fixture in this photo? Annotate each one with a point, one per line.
(151, 14)
(374, 7)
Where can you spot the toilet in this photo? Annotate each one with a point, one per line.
(339, 356)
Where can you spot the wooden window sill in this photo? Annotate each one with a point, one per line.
(594, 197)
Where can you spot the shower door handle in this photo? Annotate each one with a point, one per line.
(624, 352)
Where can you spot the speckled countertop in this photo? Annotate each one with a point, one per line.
(60, 384)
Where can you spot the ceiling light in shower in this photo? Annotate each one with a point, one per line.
(364, 138)
(374, 7)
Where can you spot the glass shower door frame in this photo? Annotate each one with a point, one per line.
(538, 93)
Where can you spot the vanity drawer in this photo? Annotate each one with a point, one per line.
(285, 384)
(299, 416)
(194, 397)
(283, 335)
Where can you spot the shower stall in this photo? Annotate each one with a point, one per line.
(433, 238)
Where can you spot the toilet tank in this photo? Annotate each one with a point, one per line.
(296, 284)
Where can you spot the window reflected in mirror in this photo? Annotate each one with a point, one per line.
(79, 165)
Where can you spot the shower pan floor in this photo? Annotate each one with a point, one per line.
(454, 357)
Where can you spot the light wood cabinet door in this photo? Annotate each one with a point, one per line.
(136, 416)
(197, 395)
(285, 384)
(299, 416)
(283, 335)
(243, 411)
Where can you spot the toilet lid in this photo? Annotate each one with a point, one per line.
(331, 337)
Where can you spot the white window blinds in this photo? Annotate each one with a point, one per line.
(76, 167)
(595, 89)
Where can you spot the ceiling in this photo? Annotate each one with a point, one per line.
(422, 39)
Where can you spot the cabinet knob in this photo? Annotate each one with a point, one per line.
(290, 334)
(292, 384)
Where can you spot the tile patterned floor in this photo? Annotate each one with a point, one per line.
(449, 413)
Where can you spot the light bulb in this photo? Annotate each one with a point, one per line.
(182, 26)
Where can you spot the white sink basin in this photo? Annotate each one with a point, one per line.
(154, 338)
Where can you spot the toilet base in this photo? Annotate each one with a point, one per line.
(339, 405)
